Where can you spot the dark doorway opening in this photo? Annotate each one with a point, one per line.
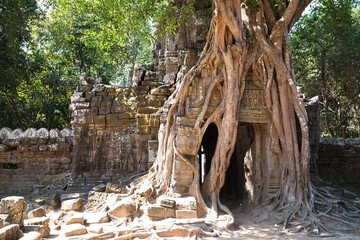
(207, 150)
(232, 193)
(9, 166)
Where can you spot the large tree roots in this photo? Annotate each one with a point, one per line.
(327, 215)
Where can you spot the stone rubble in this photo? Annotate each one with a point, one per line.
(39, 221)
(11, 232)
(15, 207)
(38, 212)
(72, 204)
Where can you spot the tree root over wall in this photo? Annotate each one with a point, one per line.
(247, 36)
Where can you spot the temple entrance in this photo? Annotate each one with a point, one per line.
(207, 150)
(232, 193)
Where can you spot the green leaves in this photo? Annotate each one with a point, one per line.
(326, 53)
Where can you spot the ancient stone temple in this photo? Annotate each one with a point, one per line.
(115, 129)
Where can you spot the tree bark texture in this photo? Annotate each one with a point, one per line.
(244, 36)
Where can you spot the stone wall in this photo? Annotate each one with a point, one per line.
(113, 125)
(33, 156)
(313, 110)
(339, 160)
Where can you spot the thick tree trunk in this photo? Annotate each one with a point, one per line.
(243, 37)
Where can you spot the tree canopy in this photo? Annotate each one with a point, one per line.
(326, 53)
(45, 46)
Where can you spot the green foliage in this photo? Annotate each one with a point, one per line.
(15, 16)
(14, 32)
(326, 54)
(45, 48)
(101, 37)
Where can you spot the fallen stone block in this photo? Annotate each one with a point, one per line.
(99, 188)
(186, 214)
(68, 196)
(168, 203)
(158, 212)
(95, 198)
(98, 217)
(32, 236)
(74, 230)
(123, 208)
(44, 221)
(53, 200)
(73, 204)
(35, 228)
(77, 218)
(11, 232)
(15, 207)
(113, 188)
(186, 203)
(39, 212)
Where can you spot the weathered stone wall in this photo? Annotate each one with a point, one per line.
(313, 110)
(339, 160)
(113, 125)
(33, 156)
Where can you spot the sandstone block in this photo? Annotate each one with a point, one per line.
(147, 110)
(74, 230)
(168, 203)
(123, 208)
(99, 188)
(39, 212)
(98, 217)
(32, 236)
(186, 140)
(72, 204)
(186, 203)
(77, 218)
(11, 232)
(37, 228)
(186, 214)
(15, 207)
(158, 213)
(54, 200)
(97, 197)
(69, 196)
(113, 188)
(99, 120)
(44, 221)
